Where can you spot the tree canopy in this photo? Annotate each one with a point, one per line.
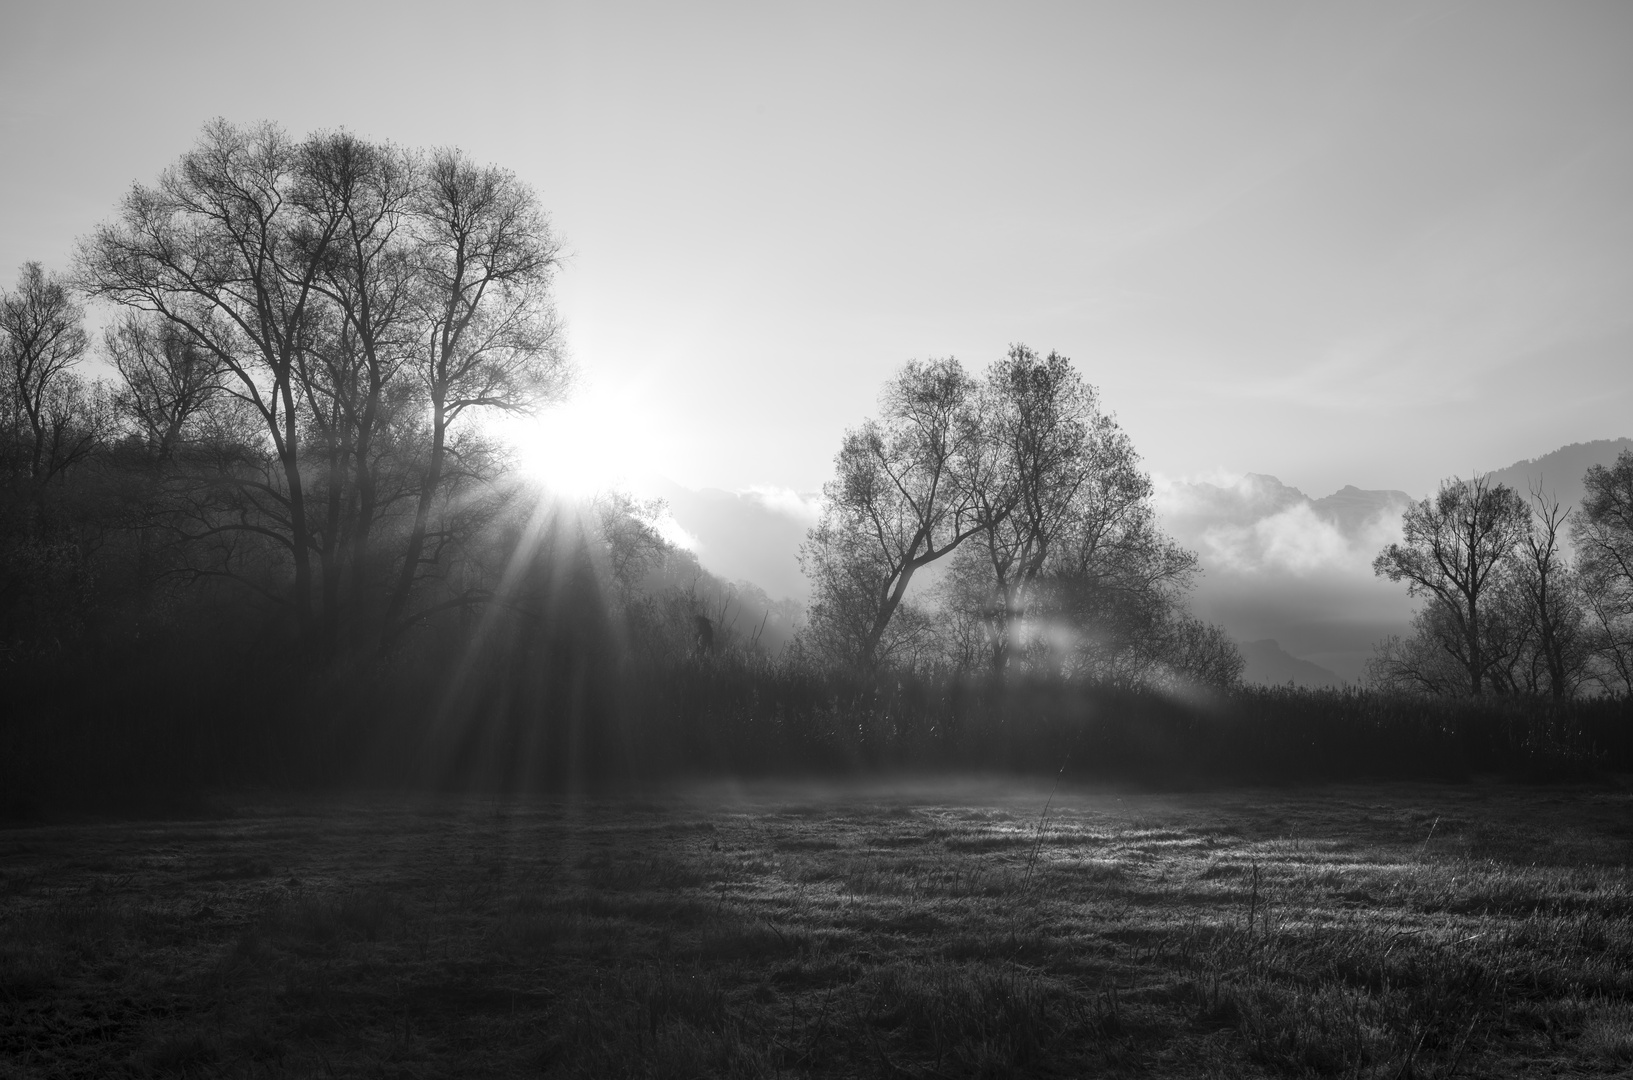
(336, 309)
(1034, 497)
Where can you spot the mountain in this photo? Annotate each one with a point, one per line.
(1270, 664)
(1558, 475)
(1353, 510)
(1279, 565)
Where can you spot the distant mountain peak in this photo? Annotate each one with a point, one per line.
(1270, 664)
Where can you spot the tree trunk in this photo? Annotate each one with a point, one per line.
(367, 492)
(422, 516)
(300, 539)
(1476, 667)
(331, 551)
(881, 621)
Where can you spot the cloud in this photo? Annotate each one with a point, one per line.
(1255, 525)
(1295, 540)
(805, 508)
(1280, 565)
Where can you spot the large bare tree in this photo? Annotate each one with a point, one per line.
(1067, 526)
(485, 333)
(361, 302)
(351, 378)
(221, 249)
(1037, 496)
(1038, 423)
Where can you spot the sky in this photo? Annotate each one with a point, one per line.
(1369, 244)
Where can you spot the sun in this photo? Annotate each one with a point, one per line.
(590, 444)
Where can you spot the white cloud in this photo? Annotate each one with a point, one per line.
(1255, 525)
(805, 508)
(1294, 540)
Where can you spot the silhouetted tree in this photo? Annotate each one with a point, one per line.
(1419, 663)
(488, 336)
(902, 498)
(1065, 568)
(356, 303)
(634, 546)
(1200, 653)
(1555, 654)
(1455, 552)
(1603, 532)
(1069, 571)
(1042, 440)
(50, 419)
(167, 381)
(1120, 587)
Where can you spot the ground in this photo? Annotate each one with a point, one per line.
(927, 929)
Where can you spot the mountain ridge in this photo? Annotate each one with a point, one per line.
(1558, 474)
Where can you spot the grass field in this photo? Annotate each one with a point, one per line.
(923, 929)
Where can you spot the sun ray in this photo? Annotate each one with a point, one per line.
(594, 443)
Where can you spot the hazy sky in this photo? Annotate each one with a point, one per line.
(1358, 243)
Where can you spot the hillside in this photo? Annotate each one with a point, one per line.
(1268, 663)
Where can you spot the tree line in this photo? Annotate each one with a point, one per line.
(1508, 610)
(278, 541)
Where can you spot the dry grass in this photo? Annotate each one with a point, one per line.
(933, 931)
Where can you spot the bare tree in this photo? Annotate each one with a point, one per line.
(48, 410)
(903, 498)
(360, 301)
(1119, 585)
(1603, 532)
(1065, 565)
(1069, 570)
(486, 334)
(1418, 664)
(220, 249)
(352, 379)
(167, 380)
(1550, 596)
(1043, 438)
(1455, 551)
(1200, 653)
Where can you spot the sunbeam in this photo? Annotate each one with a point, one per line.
(593, 443)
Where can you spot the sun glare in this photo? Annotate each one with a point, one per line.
(585, 446)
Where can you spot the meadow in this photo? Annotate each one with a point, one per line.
(920, 928)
